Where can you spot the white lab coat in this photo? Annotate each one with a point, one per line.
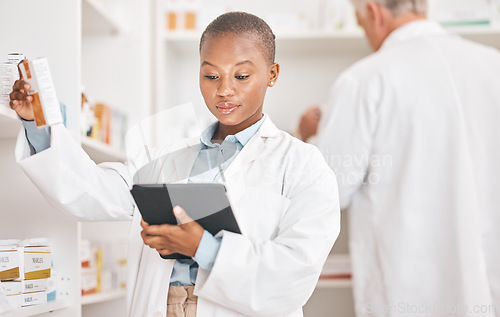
(413, 136)
(284, 197)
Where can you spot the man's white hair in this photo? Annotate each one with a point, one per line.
(396, 7)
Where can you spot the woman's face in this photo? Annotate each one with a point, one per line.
(234, 76)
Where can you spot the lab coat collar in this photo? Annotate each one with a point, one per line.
(250, 152)
(413, 30)
(242, 137)
(254, 149)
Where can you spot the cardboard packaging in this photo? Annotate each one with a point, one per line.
(36, 262)
(46, 108)
(35, 298)
(15, 301)
(24, 286)
(12, 287)
(9, 262)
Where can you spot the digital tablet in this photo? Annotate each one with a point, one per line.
(207, 204)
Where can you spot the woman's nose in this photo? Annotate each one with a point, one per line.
(225, 88)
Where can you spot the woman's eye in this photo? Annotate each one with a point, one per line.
(242, 77)
(211, 76)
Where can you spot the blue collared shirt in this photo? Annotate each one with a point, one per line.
(213, 159)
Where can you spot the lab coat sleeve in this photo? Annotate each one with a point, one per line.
(72, 183)
(345, 134)
(276, 277)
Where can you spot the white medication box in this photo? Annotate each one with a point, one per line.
(9, 263)
(45, 104)
(38, 285)
(15, 301)
(12, 287)
(34, 298)
(35, 263)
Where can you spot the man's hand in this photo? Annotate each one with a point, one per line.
(167, 239)
(20, 102)
(309, 121)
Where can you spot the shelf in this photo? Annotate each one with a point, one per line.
(37, 309)
(103, 297)
(186, 42)
(100, 152)
(9, 123)
(334, 283)
(484, 34)
(283, 35)
(326, 41)
(97, 19)
(181, 36)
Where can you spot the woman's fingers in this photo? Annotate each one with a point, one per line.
(164, 251)
(17, 95)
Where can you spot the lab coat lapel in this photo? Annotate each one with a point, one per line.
(254, 149)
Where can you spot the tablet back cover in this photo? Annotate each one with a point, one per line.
(205, 203)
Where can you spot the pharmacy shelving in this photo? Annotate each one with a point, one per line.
(287, 41)
(103, 297)
(10, 125)
(334, 283)
(38, 309)
(332, 41)
(98, 19)
(100, 152)
(310, 61)
(77, 37)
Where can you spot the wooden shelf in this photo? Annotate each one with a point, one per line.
(103, 297)
(97, 19)
(9, 123)
(100, 152)
(37, 309)
(334, 283)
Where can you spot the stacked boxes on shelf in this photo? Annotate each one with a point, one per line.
(25, 272)
(104, 266)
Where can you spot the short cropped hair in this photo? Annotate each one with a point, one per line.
(396, 7)
(242, 23)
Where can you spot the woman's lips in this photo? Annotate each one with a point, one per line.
(226, 107)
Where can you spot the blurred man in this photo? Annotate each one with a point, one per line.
(413, 133)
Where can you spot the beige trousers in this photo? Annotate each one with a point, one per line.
(181, 301)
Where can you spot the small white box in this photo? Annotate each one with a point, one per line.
(12, 287)
(34, 298)
(30, 286)
(15, 300)
(46, 108)
(89, 281)
(9, 262)
(35, 262)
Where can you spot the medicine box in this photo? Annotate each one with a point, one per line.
(15, 301)
(46, 108)
(35, 298)
(12, 287)
(35, 262)
(9, 262)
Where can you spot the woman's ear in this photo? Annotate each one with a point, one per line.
(274, 72)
